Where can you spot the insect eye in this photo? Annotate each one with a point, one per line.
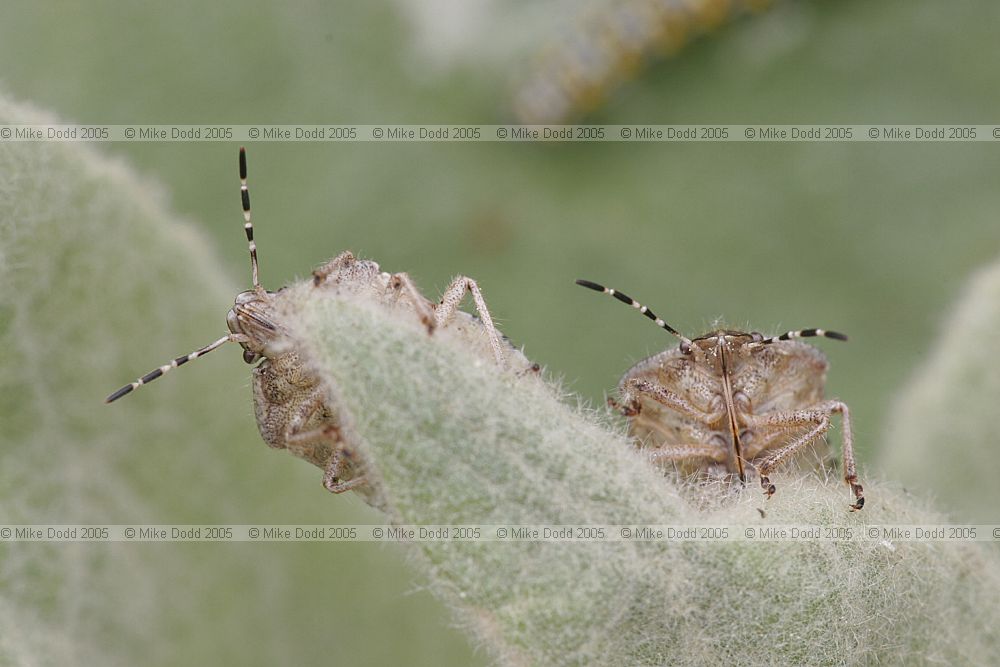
(685, 347)
(246, 297)
(250, 357)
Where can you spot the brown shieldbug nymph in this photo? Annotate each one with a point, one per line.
(730, 400)
(293, 409)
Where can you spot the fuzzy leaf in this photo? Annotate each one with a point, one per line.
(94, 277)
(941, 438)
(98, 284)
(453, 440)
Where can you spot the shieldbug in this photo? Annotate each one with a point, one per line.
(729, 400)
(293, 409)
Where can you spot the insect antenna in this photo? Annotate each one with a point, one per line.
(624, 298)
(247, 224)
(166, 368)
(804, 333)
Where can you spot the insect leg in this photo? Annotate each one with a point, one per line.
(453, 296)
(403, 285)
(340, 261)
(331, 476)
(820, 417)
(632, 388)
(687, 452)
(309, 444)
(788, 450)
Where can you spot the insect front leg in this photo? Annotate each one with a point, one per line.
(819, 418)
(313, 444)
(687, 452)
(450, 300)
(633, 388)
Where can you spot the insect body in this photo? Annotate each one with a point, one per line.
(294, 410)
(729, 400)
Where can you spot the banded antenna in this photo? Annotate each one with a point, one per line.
(229, 338)
(179, 361)
(804, 333)
(624, 298)
(247, 224)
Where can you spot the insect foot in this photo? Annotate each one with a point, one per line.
(728, 400)
(293, 409)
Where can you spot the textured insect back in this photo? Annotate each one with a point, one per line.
(610, 45)
(731, 402)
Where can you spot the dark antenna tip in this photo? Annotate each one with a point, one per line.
(243, 163)
(118, 394)
(589, 285)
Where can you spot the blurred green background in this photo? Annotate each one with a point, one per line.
(870, 239)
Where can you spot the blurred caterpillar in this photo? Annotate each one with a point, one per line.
(609, 46)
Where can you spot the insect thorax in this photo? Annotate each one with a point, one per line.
(759, 379)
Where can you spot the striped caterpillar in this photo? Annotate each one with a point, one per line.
(609, 46)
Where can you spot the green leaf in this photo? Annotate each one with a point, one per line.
(99, 283)
(453, 440)
(941, 438)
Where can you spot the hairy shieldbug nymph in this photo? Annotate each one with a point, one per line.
(294, 410)
(727, 401)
